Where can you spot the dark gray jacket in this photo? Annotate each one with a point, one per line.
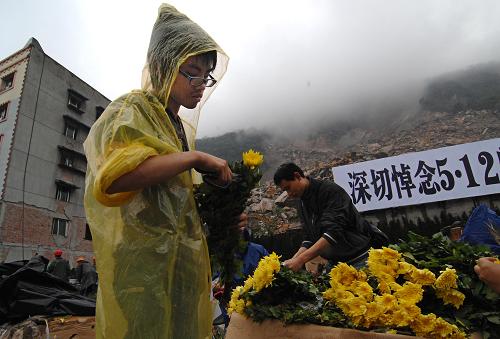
(60, 268)
(327, 211)
(86, 275)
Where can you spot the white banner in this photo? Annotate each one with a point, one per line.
(446, 173)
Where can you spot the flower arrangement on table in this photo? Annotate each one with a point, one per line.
(400, 288)
(219, 208)
(419, 287)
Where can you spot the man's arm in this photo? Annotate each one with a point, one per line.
(299, 252)
(298, 261)
(50, 267)
(160, 168)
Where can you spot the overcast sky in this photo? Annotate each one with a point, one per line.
(290, 60)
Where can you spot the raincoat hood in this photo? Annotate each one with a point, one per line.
(174, 39)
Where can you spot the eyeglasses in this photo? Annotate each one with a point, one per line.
(198, 81)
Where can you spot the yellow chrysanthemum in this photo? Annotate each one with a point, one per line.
(384, 287)
(264, 273)
(252, 159)
(248, 284)
(423, 324)
(395, 286)
(329, 294)
(442, 328)
(388, 301)
(363, 289)
(389, 253)
(373, 311)
(409, 293)
(447, 279)
(400, 318)
(340, 294)
(382, 272)
(343, 274)
(236, 304)
(405, 268)
(411, 309)
(451, 297)
(422, 277)
(354, 307)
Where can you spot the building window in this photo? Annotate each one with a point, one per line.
(3, 111)
(98, 111)
(76, 101)
(67, 160)
(88, 234)
(70, 131)
(60, 227)
(63, 193)
(7, 82)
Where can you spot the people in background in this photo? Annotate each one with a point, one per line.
(59, 266)
(86, 275)
(334, 228)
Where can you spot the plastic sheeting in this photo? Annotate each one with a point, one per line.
(151, 253)
(28, 292)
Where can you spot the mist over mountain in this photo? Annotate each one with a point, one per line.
(457, 107)
(477, 87)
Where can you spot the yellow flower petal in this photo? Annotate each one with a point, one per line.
(252, 159)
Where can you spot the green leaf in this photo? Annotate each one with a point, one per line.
(495, 319)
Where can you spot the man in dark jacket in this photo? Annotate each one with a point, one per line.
(59, 266)
(87, 277)
(333, 227)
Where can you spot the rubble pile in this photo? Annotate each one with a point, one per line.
(271, 212)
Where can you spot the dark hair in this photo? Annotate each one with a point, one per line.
(209, 57)
(286, 172)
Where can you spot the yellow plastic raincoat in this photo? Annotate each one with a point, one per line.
(151, 253)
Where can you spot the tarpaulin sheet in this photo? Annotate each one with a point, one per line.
(29, 292)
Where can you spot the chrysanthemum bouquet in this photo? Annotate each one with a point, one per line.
(219, 209)
(426, 293)
(393, 303)
(275, 292)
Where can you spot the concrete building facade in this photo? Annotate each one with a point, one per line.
(45, 115)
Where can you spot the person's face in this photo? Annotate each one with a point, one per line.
(182, 92)
(295, 188)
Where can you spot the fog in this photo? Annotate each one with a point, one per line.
(292, 64)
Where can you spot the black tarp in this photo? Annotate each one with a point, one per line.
(28, 292)
(7, 269)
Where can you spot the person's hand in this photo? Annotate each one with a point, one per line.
(488, 270)
(295, 264)
(242, 222)
(211, 164)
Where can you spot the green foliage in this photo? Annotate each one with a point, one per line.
(295, 298)
(219, 209)
(480, 310)
(298, 297)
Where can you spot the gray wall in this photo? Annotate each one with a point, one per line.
(44, 99)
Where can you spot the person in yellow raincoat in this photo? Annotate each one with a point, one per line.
(152, 257)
